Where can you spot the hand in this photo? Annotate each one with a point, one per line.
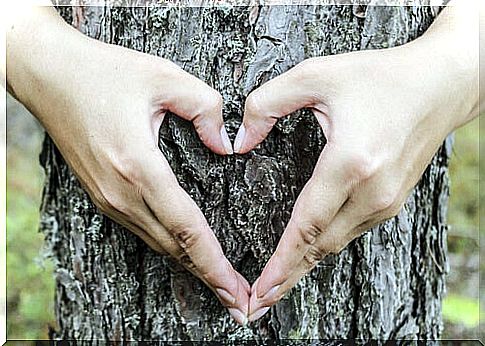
(103, 106)
(384, 114)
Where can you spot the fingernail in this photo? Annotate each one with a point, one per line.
(271, 293)
(238, 142)
(238, 316)
(226, 296)
(226, 141)
(258, 314)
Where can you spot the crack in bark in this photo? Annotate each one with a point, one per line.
(356, 297)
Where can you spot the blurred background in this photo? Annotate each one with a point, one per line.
(30, 284)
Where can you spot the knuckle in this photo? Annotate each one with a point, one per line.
(184, 259)
(333, 244)
(314, 255)
(393, 209)
(214, 102)
(310, 232)
(252, 103)
(186, 236)
(381, 203)
(209, 273)
(270, 300)
(307, 68)
(259, 116)
(360, 166)
(110, 203)
(396, 208)
(127, 167)
(386, 201)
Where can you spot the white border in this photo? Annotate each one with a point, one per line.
(226, 3)
(3, 195)
(128, 3)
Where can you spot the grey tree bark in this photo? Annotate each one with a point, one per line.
(388, 284)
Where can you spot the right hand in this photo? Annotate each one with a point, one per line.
(384, 113)
(103, 106)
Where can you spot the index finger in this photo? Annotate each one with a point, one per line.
(199, 250)
(318, 204)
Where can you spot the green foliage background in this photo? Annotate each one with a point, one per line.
(30, 284)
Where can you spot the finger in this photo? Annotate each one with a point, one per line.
(320, 200)
(366, 208)
(277, 98)
(201, 252)
(172, 247)
(338, 175)
(193, 100)
(337, 235)
(145, 220)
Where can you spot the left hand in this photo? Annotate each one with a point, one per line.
(384, 114)
(103, 105)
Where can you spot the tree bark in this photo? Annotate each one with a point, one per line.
(388, 284)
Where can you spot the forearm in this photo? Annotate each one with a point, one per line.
(39, 52)
(452, 42)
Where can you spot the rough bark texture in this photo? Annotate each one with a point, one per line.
(388, 284)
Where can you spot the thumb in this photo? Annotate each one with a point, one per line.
(193, 100)
(277, 98)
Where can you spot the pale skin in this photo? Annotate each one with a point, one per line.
(103, 105)
(384, 113)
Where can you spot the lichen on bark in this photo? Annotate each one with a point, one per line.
(109, 285)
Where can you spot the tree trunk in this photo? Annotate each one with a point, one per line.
(387, 284)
